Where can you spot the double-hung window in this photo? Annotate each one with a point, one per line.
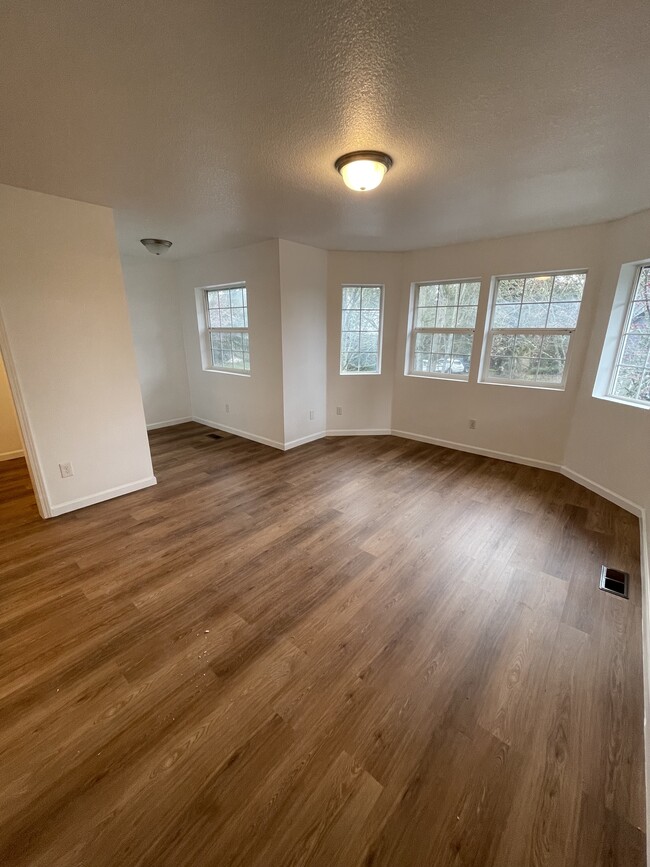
(226, 316)
(532, 320)
(361, 323)
(442, 328)
(631, 376)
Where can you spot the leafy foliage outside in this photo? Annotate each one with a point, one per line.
(360, 327)
(227, 314)
(524, 308)
(444, 319)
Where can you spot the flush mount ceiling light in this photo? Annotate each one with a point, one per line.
(363, 170)
(155, 245)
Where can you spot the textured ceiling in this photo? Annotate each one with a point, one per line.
(217, 124)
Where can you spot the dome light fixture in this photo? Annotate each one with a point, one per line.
(155, 245)
(363, 170)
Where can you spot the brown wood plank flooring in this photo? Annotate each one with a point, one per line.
(365, 651)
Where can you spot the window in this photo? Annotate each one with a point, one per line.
(631, 377)
(442, 333)
(531, 323)
(226, 316)
(361, 329)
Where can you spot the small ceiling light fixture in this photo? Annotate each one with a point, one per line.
(155, 245)
(363, 170)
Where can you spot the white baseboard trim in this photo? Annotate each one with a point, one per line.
(488, 453)
(606, 493)
(170, 423)
(10, 456)
(109, 494)
(240, 433)
(302, 440)
(370, 432)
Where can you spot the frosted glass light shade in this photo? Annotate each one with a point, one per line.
(363, 170)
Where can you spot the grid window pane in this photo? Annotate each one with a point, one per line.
(531, 358)
(425, 317)
(568, 287)
(444, 317)
(466, 317)
(539, 301)
(227, 322)
(506, 316)
(533, 315)
(368, 341)
(360, 329)
(371, 297)
(537, 290)
(351, 320)
(442, 343)
(631, 379)
(469, 293)
(351, 298)
(510, 291)
(529, 309)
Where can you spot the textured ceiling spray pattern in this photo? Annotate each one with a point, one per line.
(216, 125)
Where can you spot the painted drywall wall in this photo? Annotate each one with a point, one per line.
(255, 402)
(303, 290)
(11, 445)
(609, 442)
(524, 422)
(68, 348)
(365, 400)
(151, 292)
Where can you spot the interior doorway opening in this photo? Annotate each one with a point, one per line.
(17, 454)
(16, 489)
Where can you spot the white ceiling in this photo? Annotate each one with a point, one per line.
(216, 124)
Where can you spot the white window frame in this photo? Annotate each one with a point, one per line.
(210, 329)
(622, 333)
(490, 332)
(380, 336)
(414, 331)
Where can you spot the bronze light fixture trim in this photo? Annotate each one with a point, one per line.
(155, 245)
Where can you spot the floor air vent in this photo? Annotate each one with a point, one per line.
(614, 581)
(215, 436)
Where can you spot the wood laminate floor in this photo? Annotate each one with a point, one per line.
(365, 651)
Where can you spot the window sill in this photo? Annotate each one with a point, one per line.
(621, 402)
(457, 378)
(359, 372)
(245, 374)
(551, 388)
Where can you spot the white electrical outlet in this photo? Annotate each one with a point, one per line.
(339, 410)
(472, 424)
(66, 470)
(312, 415)
(227, 407)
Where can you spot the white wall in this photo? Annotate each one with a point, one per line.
(68, 349)
(255, 401)
(152, 297)
(303, 280)
(365, 401)
(609, 442)
(524, 422)
(11, 445)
